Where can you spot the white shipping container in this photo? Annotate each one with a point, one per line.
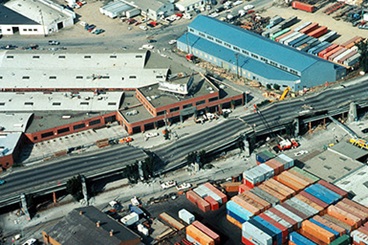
(130, 219)
(305, 207)
(202, 193)
(269, 171)
(289, 161)
(256, 235)
(186, 216)
(278, 219)
(143, 229)
(359, 237)
(212, 194)
(290, 214)
(255, 175)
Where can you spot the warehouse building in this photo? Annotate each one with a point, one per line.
(254, 57)
(41, 17)
(190, 5)
(153, 9)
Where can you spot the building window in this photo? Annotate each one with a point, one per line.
(79, 126)
(201, 102)
(190, 30)
(35, 138)
(34, 29)
(84, 103)
(2, 103)
(52, 77)
(236, 48)
(56, 103)
(35, 57)
(263, 59)
(122, 78)
(132, 77)
(209, 37)
(254, 56)
(79, 77)
(202, 34)
(213, 99)
(161, 113)
(25, 77)
(159, 76)
(23, 29)
(218, 41)
(10, 57)
(187, 106)
(29, 29)
(111, 103)
(174, 109)
(113, 56)
(61, 56)
(139, 56)
(293, 72)
(48, 134)
(110, 119)
(87, 56)
(1, 77)
(94, 122)
(63, 130)
(28, 103)
(227, 45)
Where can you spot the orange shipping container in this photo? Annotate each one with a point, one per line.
(291, 243)
(231, 186)
(233, 221)
(242, 188)
(280, 188)
(170, 220)
(296, 178)
(279, 165)
(309, 202)
(272, 192)
(217, 192)
(289, 182)
(244, 204)
(352, 210)
(311, 237)
(265, 204)
(327, 223)
(198, 201)
(337, 222)
(277, 39)
(252, 202)
(207, 231)
(356, 205)
(303, 177)
(353, 221)
(199, 236)
(317, 231)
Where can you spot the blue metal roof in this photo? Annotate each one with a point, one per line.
(245, 62)
(254, 43)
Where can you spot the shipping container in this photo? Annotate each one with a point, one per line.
(264, 203)
(277, 39)
(328, 54)
(250, 201)
(242, 188)
(353, 221)
(299, 41)
(304, 175)
(312, 43)
(311, 237)
(264, 156)
(353, 60)
(343, 54)
(319, 48)
(246, 241)
(171, 221)
(336, 54)
(304, 208)
(347, 56)
(323, 193)
(318, 231)
(255, 235)
(296, 178)
(213, 203)
(274, 21)
(325, 227)
(198, 201)
(136, 210)
(351, 42)
(290, 214)
(272, 192)
(356, 205)
(295, 211)
(263, 228)
(275, 165)
(328, 37)
(288, 22)
(199, 236)
(337, 222)
(318, 32)
(326, 50)
(210, 193)
(310, 203)
(279, 187)
(342, 240)
(302, 26)
(303, 6)
(217, 192)
(328, 223)
(231, 186)
(359, 237)
(298, 239)
(350, 209)
(273, 38)
(334, 188)
(287, 161)
(186, 216)
(289, 182)
(233, 221)
(200, 191)
(271, 227)
(130, 219)
(265, 196)
(283, 219)
(288, 41)
(207, 231)
(238, 212)
(309, 28)
(250, 207)
(278, 224)
(269, 173)
(284, 39)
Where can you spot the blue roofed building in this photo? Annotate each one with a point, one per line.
(254, 57)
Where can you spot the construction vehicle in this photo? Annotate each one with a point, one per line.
(282, 144)
(359, 142)
(284, 94)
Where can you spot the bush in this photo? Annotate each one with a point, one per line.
(276, 86)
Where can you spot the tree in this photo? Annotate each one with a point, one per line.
(191, 157)
(290, 129)
(363, 50)
(276, 86)
(240, 144)
(268, 86)
(74, 187)
(148, 167)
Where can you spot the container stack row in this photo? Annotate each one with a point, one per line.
(206, 197)
(198, 233)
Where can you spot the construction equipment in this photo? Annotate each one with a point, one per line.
(286, 91)
(359, 142)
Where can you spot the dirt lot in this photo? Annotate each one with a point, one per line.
(345, 29)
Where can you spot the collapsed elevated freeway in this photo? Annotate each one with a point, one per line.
(51, 177)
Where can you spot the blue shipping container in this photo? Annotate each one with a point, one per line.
(271, 227)
(239, 219)
(298, 239)
(239, 211)
(135, 209)
(328, 197)
(264, 229)
(325, 227)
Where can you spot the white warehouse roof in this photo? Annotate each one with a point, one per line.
(45, 70)
(57, 101)
(14, 122)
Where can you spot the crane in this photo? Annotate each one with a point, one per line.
(286, 91)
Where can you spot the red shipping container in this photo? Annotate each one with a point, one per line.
(213, 204)
(248, 183)
(283, 229)
(309, 28)
(207, 231)
(303, 6)
(291, 243)
(333, 188)
(356, 205)
(295, 211)
(217, 192)
(246, 241)
(198, 201)
(286, 218)
(319, 32)
(328, 54)
(363, 229)
(280, 165)
(323, 52)
(314, 199)
(328, 223)
(242, 188)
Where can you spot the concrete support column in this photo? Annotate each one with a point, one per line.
(23, 200)
(246, 148)
(84, 189)
(353, 115)
(296, 130)
(54, 198)
(142, 129)
(310, 128)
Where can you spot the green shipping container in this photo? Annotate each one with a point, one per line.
(343, 240)
(308, 175)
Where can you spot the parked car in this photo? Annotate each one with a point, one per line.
(365, 130)
(146, 46)
(151, 40)
(152, 135)
(2, 181)
(30, 241)
(53, 42)
(9, 46)
(183, 186)
(168, 184)
(249, 6)
(237, 2)
(173, 41)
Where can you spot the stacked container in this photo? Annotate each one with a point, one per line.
(280, 188)
(251, 234)
(198, 201)
(211, 189)
(310, 178)
(186, 216)
(196, 236)
(264, 156)
(231, 186)
(317, 233)
(171, 221)
(323, 193)
(277, 166)
(298, 239)
(213, 235)
(292, 181)
(211, 196)
(265, 195)
(360, 236)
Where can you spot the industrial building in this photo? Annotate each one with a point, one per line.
(190, 5)
(119, 8)
(254, 57)
(153, 9)
(41, 17)
(133, 89)
(88, 225)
